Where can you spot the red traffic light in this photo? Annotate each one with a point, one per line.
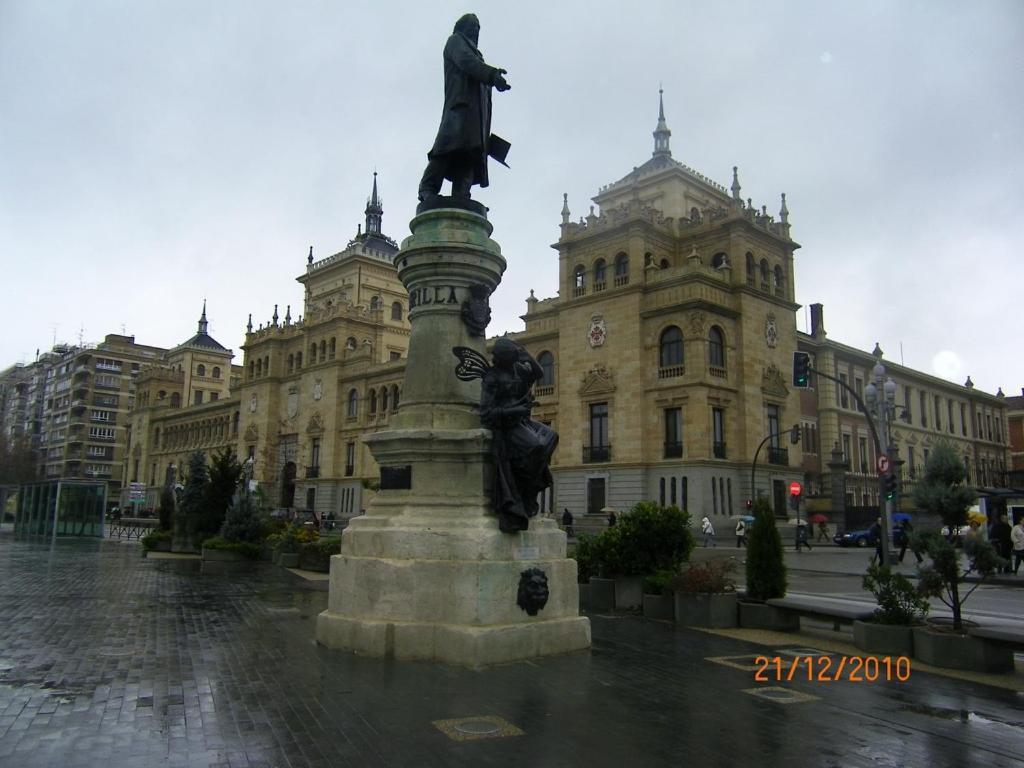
(795, 489)
(750, 504)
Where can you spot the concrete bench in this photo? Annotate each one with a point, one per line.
(1009, 636)
(838, 612)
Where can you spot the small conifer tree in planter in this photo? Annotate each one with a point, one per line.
(901, 606)
(766, 574)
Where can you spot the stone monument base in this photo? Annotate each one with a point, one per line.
(449, 590)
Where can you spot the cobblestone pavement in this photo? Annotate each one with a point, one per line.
(108, 659)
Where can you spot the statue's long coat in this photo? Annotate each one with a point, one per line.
(466, 117)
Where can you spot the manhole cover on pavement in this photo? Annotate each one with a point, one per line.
(470, 728)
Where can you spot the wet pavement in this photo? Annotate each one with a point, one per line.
(108, 659)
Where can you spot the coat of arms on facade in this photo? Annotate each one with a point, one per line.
(318, 389)
(293, 402)
(597, 380)
(598, 331)
(252, 403)
(316, 423)
(252, 433)
(771, 330)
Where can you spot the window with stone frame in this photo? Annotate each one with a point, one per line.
(670, 348)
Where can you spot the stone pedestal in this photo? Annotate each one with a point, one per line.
(425, 573)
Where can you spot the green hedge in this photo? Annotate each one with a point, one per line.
(247, 548)
(151, 540)
(316, 556)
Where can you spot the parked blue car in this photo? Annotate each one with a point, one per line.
(863, 538)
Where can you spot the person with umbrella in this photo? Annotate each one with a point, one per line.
(821, 521)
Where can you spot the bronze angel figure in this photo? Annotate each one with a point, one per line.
(522, 448)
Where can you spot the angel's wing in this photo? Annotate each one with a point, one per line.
(472, 365)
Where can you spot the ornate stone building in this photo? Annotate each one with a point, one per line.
(667, 356)
(668, 347)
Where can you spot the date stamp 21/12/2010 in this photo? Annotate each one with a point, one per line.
(829, 669)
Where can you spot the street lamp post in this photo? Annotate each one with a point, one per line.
(880, 395)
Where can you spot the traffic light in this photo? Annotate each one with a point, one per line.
(794, 434)
(889, 486)
(801, 370)
(750, 504)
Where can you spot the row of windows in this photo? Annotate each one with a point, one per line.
(201, 371)
(600, 275)
(599, 447)
(396, 307)
(761, 274)
(382, 399)
(319, 352)
(942, 418)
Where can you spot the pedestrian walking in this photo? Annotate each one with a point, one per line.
(741, 533)
(903, 539)
(611, 519)
(708, 530)
(1002, 539)
(875, 535)
(1017, 537)
(823, 531)
(801, 536)
(567, 521)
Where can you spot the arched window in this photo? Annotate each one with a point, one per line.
(298, 361)
(216, 372)
(694, 215)
(383, 399)
(373, 402)
(621, 269)
(312, 353)
(353, 404)
(259, 368)
(579, 277)
(599, 275)
(670, 347)
(350, 342)
(663, 264)
(323, 350)
(291, 363)
(546, 361)
(331, 348)
(719, 260)
(780, 279)
(375, 303)
(266, 365)
(175, 400)
(716, 347)
(200, 370)
(252, 369)
(765, 272)
(396, 310)
(751, 268)
(394, 397)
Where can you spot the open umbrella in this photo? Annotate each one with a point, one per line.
(899, 517)
(819, 518)
(977, 517)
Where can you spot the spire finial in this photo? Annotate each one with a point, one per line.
(275, 314)
(374, 209)
(248, 327)
(203, 325)
(288, 315)
(662, 133)
(309, 259)
(784, 212)
(565, 207)
(736, 183)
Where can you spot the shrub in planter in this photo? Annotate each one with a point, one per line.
(247, 549)
(766, 568)
(705, 594)
(900, 607)
(316, 556)
(157, 541)
(658, 600)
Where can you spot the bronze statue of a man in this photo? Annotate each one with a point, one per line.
(462, 145)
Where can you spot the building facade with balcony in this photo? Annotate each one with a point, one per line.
(666, 353)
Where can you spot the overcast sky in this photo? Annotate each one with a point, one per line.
(153, 154)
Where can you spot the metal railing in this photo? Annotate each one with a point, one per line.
(596, 453)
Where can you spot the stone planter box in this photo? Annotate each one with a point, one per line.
(222, 556)
(629, 592)
(288, 559)
(661, 607)
(890, 639)
(713, 610)
(602, 594)
(763, 616)
(162, 546)
(951, 650)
